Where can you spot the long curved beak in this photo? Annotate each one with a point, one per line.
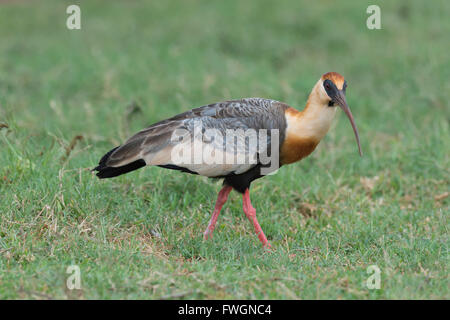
(342, 102)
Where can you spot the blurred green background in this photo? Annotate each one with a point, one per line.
(68, 96)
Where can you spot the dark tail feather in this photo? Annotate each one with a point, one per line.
(102, 162)
(103, 171)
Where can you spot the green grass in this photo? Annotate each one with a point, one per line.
(329, 217)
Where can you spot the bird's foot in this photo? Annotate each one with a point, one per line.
(208, 233)
(267, 245)
(268, 248)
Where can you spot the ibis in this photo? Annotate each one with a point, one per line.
(223, 132)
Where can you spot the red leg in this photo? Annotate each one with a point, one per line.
(221, 199)
(250, 212)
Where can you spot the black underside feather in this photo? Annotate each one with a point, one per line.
(103, 171)
(239, 182)
(174, 167)
(109, 172)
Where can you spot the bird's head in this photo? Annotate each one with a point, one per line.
(331, 89)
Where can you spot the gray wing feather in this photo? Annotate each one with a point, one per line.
(155, 142)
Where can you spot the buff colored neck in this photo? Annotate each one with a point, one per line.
(315, 120)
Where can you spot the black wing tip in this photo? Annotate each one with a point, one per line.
(101, 167)
(104, 172)
(102, 162)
